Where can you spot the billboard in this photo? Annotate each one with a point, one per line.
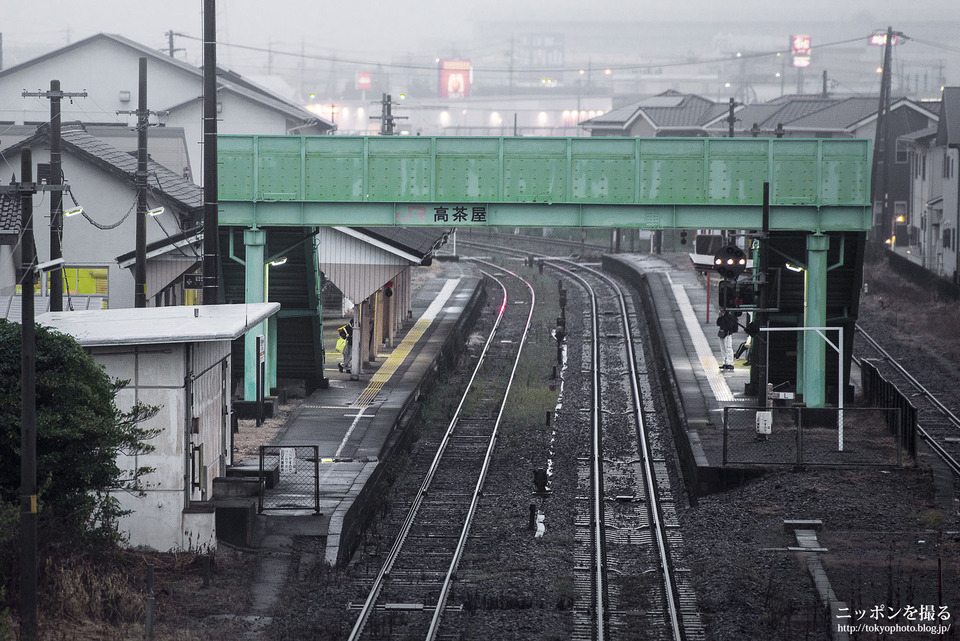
(364, 80)
(454, 78)
(800, 47)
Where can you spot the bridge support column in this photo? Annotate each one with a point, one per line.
(815, 315)
(255, 242)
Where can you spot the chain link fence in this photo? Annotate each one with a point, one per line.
(863, 436)
(290, 477)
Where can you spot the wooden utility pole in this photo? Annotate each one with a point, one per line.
(28, 413)
(56, 178)
(143, 123)
(881, 151)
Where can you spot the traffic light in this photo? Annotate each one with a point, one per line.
(683, 236)
(388, 289)
(730, 262)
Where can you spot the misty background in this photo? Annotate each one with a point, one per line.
(312, 51)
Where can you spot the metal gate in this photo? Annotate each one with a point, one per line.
(290, 477)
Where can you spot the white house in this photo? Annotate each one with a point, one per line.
(177, 358)
(106, 67)
(102, 180)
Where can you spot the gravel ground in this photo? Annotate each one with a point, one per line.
(883, 531)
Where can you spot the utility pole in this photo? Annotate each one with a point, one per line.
(731, 119)
(211, 228)
(881, 160)
(25, 189)
(170, 48)
(28, 413)
(386, 117)
(56, 178)
(143, 123)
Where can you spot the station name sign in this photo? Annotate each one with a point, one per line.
(445, 214)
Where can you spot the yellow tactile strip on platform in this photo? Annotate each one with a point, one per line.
(399, 355)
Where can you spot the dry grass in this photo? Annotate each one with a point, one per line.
(104, 599)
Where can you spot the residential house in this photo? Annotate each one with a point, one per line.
(928, 233)
(101, 180)
(174, 92)
(670, 113)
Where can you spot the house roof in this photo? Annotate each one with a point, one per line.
(225, 78)
(157, 325)
(10, 218)
(163, 183)
(667, 110)
(419, 243)
(920, 136)
(185, 244)
(949, 132)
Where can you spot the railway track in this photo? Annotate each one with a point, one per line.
(937, 424)
(627, 522)
(408, 596)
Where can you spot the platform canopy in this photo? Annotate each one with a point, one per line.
(816, 185)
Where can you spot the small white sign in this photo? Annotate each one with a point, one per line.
(288, 460)
(780, 396)
(764, 422)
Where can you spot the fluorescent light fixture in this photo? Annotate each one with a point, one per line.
(793, 268)
(278, 262)
(156, 212)
(73, 212)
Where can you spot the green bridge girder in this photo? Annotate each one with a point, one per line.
(817, 186)
(649, 183)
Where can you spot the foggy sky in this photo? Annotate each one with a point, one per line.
(377, 29)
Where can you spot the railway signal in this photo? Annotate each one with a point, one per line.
(730, 262)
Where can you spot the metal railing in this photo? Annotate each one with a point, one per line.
(290, 477)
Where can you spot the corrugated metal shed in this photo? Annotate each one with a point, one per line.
(359, 263)
(155, 325)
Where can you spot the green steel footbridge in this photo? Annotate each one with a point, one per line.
(818, 208)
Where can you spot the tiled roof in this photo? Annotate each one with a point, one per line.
(10, 218)
(668, 110)
(163, 183)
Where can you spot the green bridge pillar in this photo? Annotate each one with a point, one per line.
(255, 241)
(815, 315)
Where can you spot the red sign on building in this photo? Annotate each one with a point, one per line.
(800, 47)
(454, 78)
(364, 80)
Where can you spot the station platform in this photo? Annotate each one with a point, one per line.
(687, 316)
(357, 424)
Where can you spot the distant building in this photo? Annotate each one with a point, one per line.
(174, 89)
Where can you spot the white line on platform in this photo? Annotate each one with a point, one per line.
(707, 360)
(346, 436)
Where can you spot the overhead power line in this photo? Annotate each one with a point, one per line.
(508, 69)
